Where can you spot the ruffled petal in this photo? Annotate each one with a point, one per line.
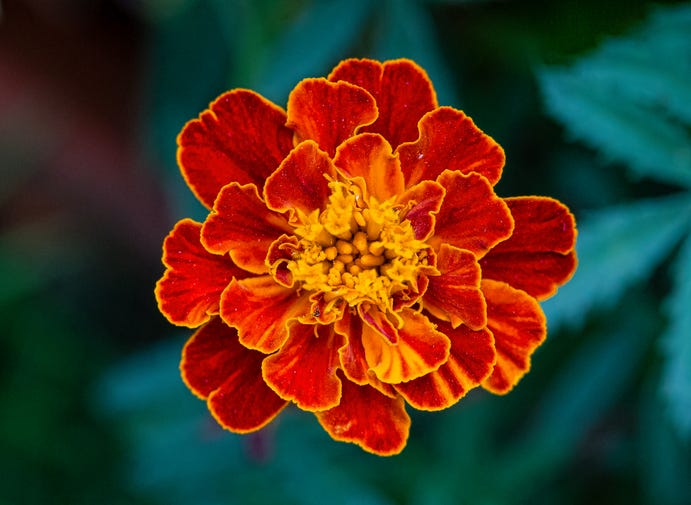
(519, 327)
(304, 369)
(403, 91)
(539, 256)
(241, 138)
(369, 156)
(377, 423)
(328, 112)
(455, 295)
(261, 310)
(471, 217)
(418, 349)
(423, 201)
(190, 290)
(242, 226)
(450, 140)
(352, 354)
(215, 365)
(299, 183)
(471, 361)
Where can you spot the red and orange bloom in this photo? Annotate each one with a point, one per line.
(356, 257)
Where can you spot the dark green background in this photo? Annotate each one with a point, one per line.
(591, 101)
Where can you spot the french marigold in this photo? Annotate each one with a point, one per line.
(356, 257)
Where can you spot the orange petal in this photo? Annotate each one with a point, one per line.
(215, 365)
(242, 226)
(519, 327)
(190, 289)
(328, 112)
(369, 156)
(299, 182)
(241, 138)
(455, 295)
(450, 140)
(304, 369)
(352, 354)
(377, 423)
(471, 217)
(403, 92)
(470, 362)
(424, 201)
(261, 310)
(419, 349)
(539, 256)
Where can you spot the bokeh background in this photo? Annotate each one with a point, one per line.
(591, 101)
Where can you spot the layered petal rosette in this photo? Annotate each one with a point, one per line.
(355, 257)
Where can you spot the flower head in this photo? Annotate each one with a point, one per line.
(355, 258)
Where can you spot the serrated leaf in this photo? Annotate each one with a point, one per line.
(676, 376)
(406, 30)
(319, 37)
(616, 247)
(631, 99)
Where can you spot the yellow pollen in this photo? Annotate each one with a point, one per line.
(358, 249)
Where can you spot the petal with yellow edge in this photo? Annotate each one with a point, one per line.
(471, 361)
(423, 202)
(190, 289)
(352, 354)
(519, 327)
(299, 183)
(418, 350)
(241, 138)
(450, 140)
(471, 217)
(304, 369)
(377, 423)
(403, 91)
(455, 295)
(539, 256)
(216, 366)
(261, 310)
(369, 156)
(242, 226)
(328, 112)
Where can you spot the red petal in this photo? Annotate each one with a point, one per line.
(299, 182)
(215, 365)
(450, 140)
(519, 327)
(366, 417)
(261, 310)
(242, 226)
(190, 289)
(471, 217)
(402, 90)
(470, 362)
(419, 349)
(369, 156)
(425, 200)
(304, 369)
(328, 112)
(455, 295)
(241, 138)
(352, 354)
(539, 255)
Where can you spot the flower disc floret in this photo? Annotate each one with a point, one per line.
(358, 250)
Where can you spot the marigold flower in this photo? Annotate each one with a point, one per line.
(356, 257)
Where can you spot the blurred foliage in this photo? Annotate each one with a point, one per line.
(591, 103)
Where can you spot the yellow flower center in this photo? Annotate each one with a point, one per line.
(358, 249)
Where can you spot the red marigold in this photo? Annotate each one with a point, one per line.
(356, 257)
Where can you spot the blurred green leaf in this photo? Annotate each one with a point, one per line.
(318, 38)
(631, 100)
(676, 380)
(616, 247)
(406, 30)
